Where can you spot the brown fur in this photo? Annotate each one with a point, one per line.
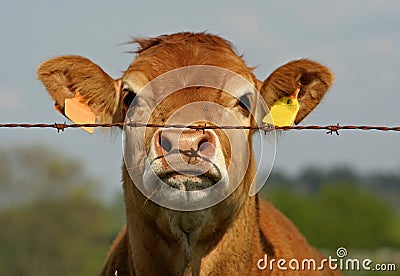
(230, 237)
(274, 228)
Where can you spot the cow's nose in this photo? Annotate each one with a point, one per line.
(192, 146)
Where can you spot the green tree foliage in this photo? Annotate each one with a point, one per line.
(337, 208)
(51, 222)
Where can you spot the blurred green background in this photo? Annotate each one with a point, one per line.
(54, 220)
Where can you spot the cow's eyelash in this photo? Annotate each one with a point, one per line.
(128, 96)
(244, 102)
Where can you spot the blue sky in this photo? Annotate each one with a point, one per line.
(359, 40)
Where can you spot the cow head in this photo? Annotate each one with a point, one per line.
(190, 79)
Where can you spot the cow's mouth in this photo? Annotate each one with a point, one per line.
(185, 189)
(190, 181)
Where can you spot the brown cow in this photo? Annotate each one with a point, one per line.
(232, 236)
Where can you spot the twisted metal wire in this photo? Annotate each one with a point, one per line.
(331, 129)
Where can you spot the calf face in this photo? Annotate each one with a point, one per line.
(190, 79)
(197, 167)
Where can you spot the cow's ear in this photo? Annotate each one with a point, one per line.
(82, 91)
(312, 78)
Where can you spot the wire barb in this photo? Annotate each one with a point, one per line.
(334, 129)
(59, 127)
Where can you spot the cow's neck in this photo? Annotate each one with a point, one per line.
(210, 247)
(240, 245)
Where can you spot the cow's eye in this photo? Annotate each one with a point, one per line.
(128, 96)
(245, 102)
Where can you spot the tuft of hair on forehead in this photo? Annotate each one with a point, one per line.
(161, 54)
(183, 38)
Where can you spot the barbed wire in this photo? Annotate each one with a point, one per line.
(331, 129)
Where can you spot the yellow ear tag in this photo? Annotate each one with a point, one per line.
(284, 111)
(79, 113)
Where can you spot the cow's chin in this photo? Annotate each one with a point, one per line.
(192, 227)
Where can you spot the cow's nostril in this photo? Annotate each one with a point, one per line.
(204, 145)
(165, 143)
